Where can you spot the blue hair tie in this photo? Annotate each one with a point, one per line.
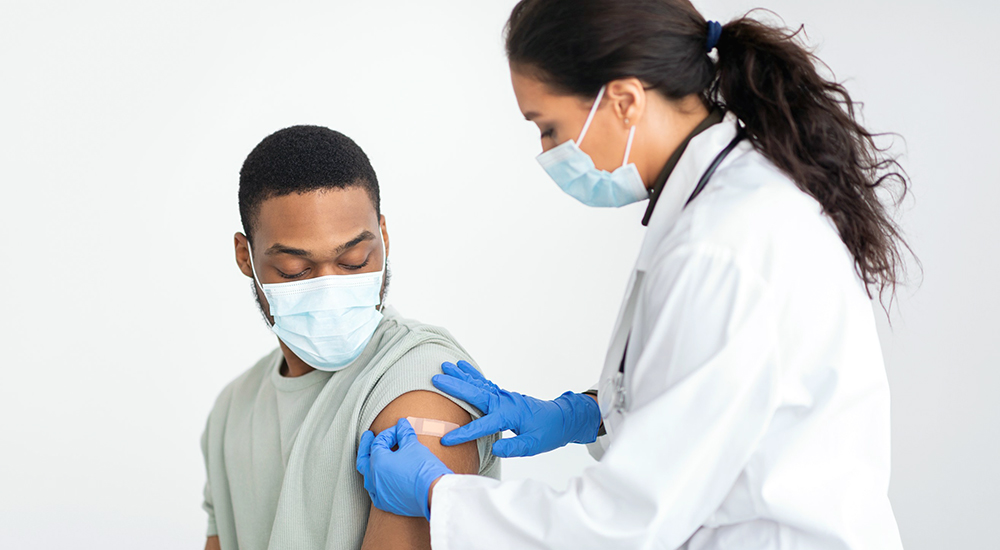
(714, 32)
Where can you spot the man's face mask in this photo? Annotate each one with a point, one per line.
(326, 321)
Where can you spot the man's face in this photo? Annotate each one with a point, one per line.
(308, 235)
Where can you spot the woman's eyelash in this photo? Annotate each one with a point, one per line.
(547, 133)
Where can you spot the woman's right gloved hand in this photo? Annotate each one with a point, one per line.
(540, 425)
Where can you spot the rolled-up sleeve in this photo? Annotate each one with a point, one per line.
(702, 393)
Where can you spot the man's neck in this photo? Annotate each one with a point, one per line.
(292, 366)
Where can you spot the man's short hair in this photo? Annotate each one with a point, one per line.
(301, 159)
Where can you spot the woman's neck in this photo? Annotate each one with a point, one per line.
(666, 125)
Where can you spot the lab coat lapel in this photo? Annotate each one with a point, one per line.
(700, 153)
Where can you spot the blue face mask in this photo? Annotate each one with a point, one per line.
(575, 173)
(326, 321)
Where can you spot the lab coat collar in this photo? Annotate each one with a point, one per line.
(700, 152)
(715, 117)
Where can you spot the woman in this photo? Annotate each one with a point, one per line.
(743, 402)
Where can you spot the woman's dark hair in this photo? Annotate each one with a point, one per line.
(804, 123)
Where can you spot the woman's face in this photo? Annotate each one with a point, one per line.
(561, 117)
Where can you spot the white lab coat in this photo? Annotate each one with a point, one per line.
(756, 406)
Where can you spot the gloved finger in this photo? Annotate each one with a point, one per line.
(455, 387)
(385, 440)
(405, 433)
(467, 372)
(480, 427)
(471, 371)
(452, 370)
(365, 452)
(510, 447)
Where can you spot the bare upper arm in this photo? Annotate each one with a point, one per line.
(387, 530)
(462, 459)
(212, 543)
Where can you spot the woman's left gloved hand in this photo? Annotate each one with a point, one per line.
(540, 425)
(399, 481)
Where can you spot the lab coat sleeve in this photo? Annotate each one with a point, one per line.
(600, 445)
(703, 391)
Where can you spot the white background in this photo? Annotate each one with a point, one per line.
(123, 126)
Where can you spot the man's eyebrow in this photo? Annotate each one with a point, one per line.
(363, 236)
(530, 115)
(278, 248)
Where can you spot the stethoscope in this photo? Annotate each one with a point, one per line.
(620, 398)
(710, 171)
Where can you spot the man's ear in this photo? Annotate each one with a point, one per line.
(385, 234)
(242, 254)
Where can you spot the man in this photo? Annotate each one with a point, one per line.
(281, 439)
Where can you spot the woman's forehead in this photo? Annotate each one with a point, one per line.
(537, 98)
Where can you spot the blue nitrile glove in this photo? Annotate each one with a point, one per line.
(398, 481)
(540, 425)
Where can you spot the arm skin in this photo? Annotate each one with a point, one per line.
(387, 530)
(212, 543)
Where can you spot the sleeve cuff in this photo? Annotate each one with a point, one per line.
(212, 530)
(445, 505)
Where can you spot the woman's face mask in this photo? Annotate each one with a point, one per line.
(564, 131)
(574, 171)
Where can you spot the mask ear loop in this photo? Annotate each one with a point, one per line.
(385, 265)
(256, 281)
(590, 117)
(628, 146)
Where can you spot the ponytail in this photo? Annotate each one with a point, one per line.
(806, 125)
(802, 122)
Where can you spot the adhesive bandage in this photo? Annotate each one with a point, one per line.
(427, 426)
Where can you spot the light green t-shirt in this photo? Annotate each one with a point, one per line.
(280, 452)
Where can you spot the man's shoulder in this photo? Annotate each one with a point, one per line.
(415, 326)
(416, 343)
(411, 358)
(420, 348)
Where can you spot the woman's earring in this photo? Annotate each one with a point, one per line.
(626, 121)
